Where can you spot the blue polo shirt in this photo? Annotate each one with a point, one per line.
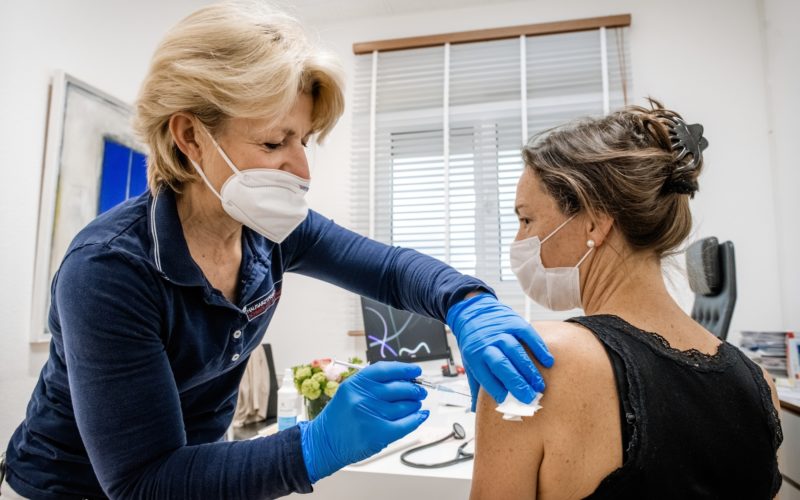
(146, 356)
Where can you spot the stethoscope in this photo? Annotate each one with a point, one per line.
(461, 455)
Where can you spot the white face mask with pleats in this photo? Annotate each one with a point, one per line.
(267, 200)
(556, 288)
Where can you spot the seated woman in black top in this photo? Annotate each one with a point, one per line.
(643, 402)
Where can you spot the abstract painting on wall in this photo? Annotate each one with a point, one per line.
(92, 162)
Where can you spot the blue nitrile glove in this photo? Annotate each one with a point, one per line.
(489, 335)
(371, 409)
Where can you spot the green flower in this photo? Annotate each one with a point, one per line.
(330, 388)
(301, 373)
(311, 388)
(320, 378)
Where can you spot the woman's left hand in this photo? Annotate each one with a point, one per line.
(489, 335)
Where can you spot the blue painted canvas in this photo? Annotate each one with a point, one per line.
(123, 175)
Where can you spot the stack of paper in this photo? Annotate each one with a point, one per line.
(767, 349)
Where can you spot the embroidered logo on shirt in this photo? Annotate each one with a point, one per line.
(261, 304)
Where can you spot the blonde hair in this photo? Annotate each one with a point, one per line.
(232, 59)
(623, 165)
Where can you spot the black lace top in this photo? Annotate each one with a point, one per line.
(694, 425)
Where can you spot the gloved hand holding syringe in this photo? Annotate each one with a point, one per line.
(419, 380)
(512, 409)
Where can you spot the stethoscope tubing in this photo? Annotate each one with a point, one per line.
(461, 456)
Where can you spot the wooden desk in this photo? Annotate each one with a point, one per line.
(790, 407)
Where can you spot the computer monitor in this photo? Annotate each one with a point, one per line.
(395, 335)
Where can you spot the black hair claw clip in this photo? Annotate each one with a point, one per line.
(687, 140)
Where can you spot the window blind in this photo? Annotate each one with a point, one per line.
(437, 134)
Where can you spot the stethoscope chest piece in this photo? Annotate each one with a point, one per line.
(461, 456)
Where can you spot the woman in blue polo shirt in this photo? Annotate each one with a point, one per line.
(158, 302)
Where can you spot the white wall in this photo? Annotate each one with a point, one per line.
(708, 65)
(783, 93)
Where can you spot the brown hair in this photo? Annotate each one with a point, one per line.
(622, 165)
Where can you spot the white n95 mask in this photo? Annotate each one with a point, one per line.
(267, 200)
(556, 288)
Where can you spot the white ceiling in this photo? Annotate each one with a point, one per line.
(328, 11)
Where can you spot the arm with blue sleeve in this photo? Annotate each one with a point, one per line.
(126, 402)
(490, 335)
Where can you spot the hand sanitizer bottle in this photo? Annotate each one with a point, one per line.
(288, 398)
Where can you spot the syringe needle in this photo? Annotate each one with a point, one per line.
(420, 381)
(439, 387)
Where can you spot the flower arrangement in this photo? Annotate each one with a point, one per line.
(318, 382)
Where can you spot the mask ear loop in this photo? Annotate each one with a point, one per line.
(589, 243)
(205, 179)
(222, 152)
(554, 231)
(224, 157)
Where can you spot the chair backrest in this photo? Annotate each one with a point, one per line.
(272, 401)
(711, 268)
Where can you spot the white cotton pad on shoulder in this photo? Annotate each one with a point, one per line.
(513, 409)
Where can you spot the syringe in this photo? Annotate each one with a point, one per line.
(419, 380)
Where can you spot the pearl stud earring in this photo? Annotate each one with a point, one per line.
(590, 243)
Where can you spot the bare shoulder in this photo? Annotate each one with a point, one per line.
(580, 411)
(563, 334)
(568, 441)
(580, 374)
(576, 350)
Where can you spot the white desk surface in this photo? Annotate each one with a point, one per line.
(438, 425)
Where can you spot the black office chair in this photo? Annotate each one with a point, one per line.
(711, 268)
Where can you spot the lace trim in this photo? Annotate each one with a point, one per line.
(774, 421)
(693, 358)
